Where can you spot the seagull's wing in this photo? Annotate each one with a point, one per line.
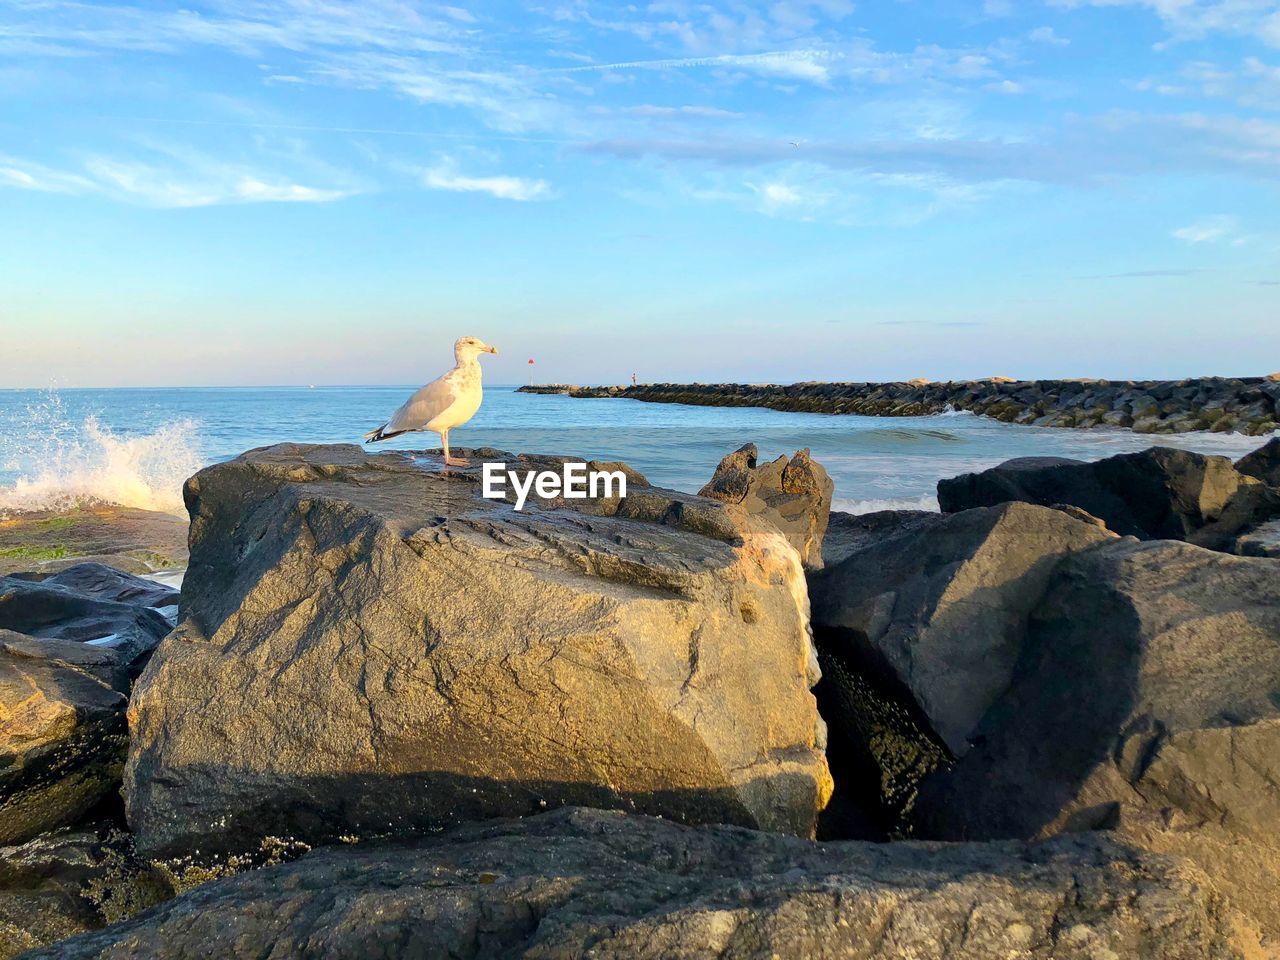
(424, 406)
(419, 410)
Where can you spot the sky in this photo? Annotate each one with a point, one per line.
(311, 191)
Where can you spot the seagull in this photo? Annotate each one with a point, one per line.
(444, 403)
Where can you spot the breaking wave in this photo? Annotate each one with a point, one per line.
(58, 463)
(926, 501)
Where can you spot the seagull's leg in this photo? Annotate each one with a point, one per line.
(448, 460)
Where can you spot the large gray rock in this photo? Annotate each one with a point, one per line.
(69, 882)
(1263, 464)
(942, 606)
(63, 734)
(1261, 541)
(368, 646)
(794, 495)
(847, 533)
(581, 883)
(1147, 700)
(1160, 493)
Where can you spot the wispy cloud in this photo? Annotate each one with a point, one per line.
(171, 183)
(1143, 274)
(809, 65)
(502, 187)
(1188, 19)
(1215, 229)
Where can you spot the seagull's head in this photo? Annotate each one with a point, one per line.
(468, 348)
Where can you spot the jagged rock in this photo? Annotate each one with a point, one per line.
(847, 532)
(63, 734)
(583, 883)
(942, 607)
(1145, 701)
(1263, 464)
(444, 657)
(70, 882)
(795, 495)
(1159, 493)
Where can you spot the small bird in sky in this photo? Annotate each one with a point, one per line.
(448, 401)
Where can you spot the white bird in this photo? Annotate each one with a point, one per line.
(444, 403)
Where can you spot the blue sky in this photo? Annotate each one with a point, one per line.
(307, 191)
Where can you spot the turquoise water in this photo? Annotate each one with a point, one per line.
(136, 446)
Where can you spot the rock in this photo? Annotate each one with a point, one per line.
(50, 610)
(1145, 701)
(795, 495)
(445, 657)
(1159, 493)
(942, 608)
(102, 582)
(63, 734)
(70, 882)
(584, 883)
(848, 533)
(1082, 515)
(1263, 541)
(136, 541)
(1263, 464)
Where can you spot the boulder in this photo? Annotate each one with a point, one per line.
(69, 882)
(52, 610)
(941, 607)
(63, 734)
(1159, 493)
(848, 533)
(586, 883)
(369, 646)
(1262, 541)
(100, 581)
(1145, 701)
(794, 495)
(1263, 464)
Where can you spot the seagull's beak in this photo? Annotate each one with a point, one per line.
(493, 350)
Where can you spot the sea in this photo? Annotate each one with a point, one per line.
(135, 447)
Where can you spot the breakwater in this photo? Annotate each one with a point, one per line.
(1248, 405)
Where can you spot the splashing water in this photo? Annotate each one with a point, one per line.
(61, 464)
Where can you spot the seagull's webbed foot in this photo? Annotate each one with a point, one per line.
(456, 462)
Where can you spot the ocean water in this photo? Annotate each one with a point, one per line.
(136, 446)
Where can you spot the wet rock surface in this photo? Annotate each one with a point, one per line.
(584, 883)
(63, 735)
(444, 657)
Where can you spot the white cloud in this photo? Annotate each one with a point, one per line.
(502, 187)
(1216, 229)
(1195, 18)
(1048, 35)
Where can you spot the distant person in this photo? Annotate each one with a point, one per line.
(444, 403)
(633, 379)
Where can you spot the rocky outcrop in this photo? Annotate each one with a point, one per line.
(63, 735)
(794, 495)
(90, 603)
(578, 883)
(70, 882)
(1262, 541)
(1249, 405)
(368, 646)
(943, 607)
(1159, 493)
(132, 540)
(1144, 701)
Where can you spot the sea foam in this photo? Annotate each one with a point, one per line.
(60, 463)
